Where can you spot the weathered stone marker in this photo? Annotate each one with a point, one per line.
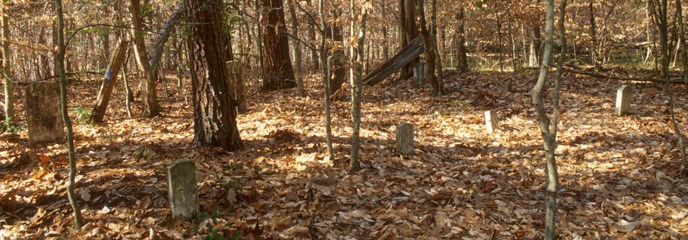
(420, 73)
(491, 121)
(405, 138)
(623, 100)
(237, 71)
(183, 192)
(43, 113)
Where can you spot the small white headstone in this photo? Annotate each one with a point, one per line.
(623, 100)
(491, 121)
(405, 138)
(183, 192)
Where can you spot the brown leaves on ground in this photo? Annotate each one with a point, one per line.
(619, 174)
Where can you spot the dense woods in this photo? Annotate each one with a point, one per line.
(356, 119)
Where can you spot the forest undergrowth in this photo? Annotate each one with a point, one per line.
(619, 175)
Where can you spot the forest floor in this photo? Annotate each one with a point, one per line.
(619, 174)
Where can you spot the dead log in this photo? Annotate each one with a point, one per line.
(641, 78)
(109, 82)
(405, 56)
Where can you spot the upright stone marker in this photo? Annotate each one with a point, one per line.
(491, 121)
(405, 138)
(623, 100)
(237, 71)
(183, 192)
(420, 73)
(43, 115)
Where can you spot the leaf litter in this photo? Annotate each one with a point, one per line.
(619, 175)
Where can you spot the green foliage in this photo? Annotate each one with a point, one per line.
(82, 114)
(11, 127)
(212, 232)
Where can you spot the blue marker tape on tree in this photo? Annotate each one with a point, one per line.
(107, 75)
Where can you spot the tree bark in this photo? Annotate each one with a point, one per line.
(339, 61)
(325, 68)
(151, 97)
(6, 67)
(409, 31)
(78, 221)
(429, 51)
(277, 70)
(214, 116)
(593, 34)
(548, 128)
(109, 82)
(296, 47)
(356, 75)
(462, 58)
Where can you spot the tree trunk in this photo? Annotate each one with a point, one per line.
(409, 31)
(593, 34)
(296, 47)
(428, 51)
(461, 51)
(548, 128)
(325, 68)
(214, 116)
(339, 61)
(277, 70)
(356, 75)
(78, 221)
(151, 97)
(109, 82)
(6, 67)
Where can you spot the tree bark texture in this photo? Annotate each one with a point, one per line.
(151, 97)
(277, 70)
(461, 51)
(6, 67)
(214, 116)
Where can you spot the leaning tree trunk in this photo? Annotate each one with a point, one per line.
(549, 128)
(150, 76)
(214, 116)
(277, 70)
(9, 93)
(78, 221)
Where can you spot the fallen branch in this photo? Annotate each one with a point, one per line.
(600, 75)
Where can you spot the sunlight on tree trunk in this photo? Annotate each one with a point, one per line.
(549, 129)
(355, 76)
(150, 76)
(214, 116)
(6, 67)
(296, 48)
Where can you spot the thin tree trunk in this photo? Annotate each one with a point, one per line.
(296, 47)
(6, 67)
(435, 48)
(356, 75)
(326, 63)
(151, 97)
(593, 34)
(549, 129)
(461, 42)
(428, 50)
(78, 221)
